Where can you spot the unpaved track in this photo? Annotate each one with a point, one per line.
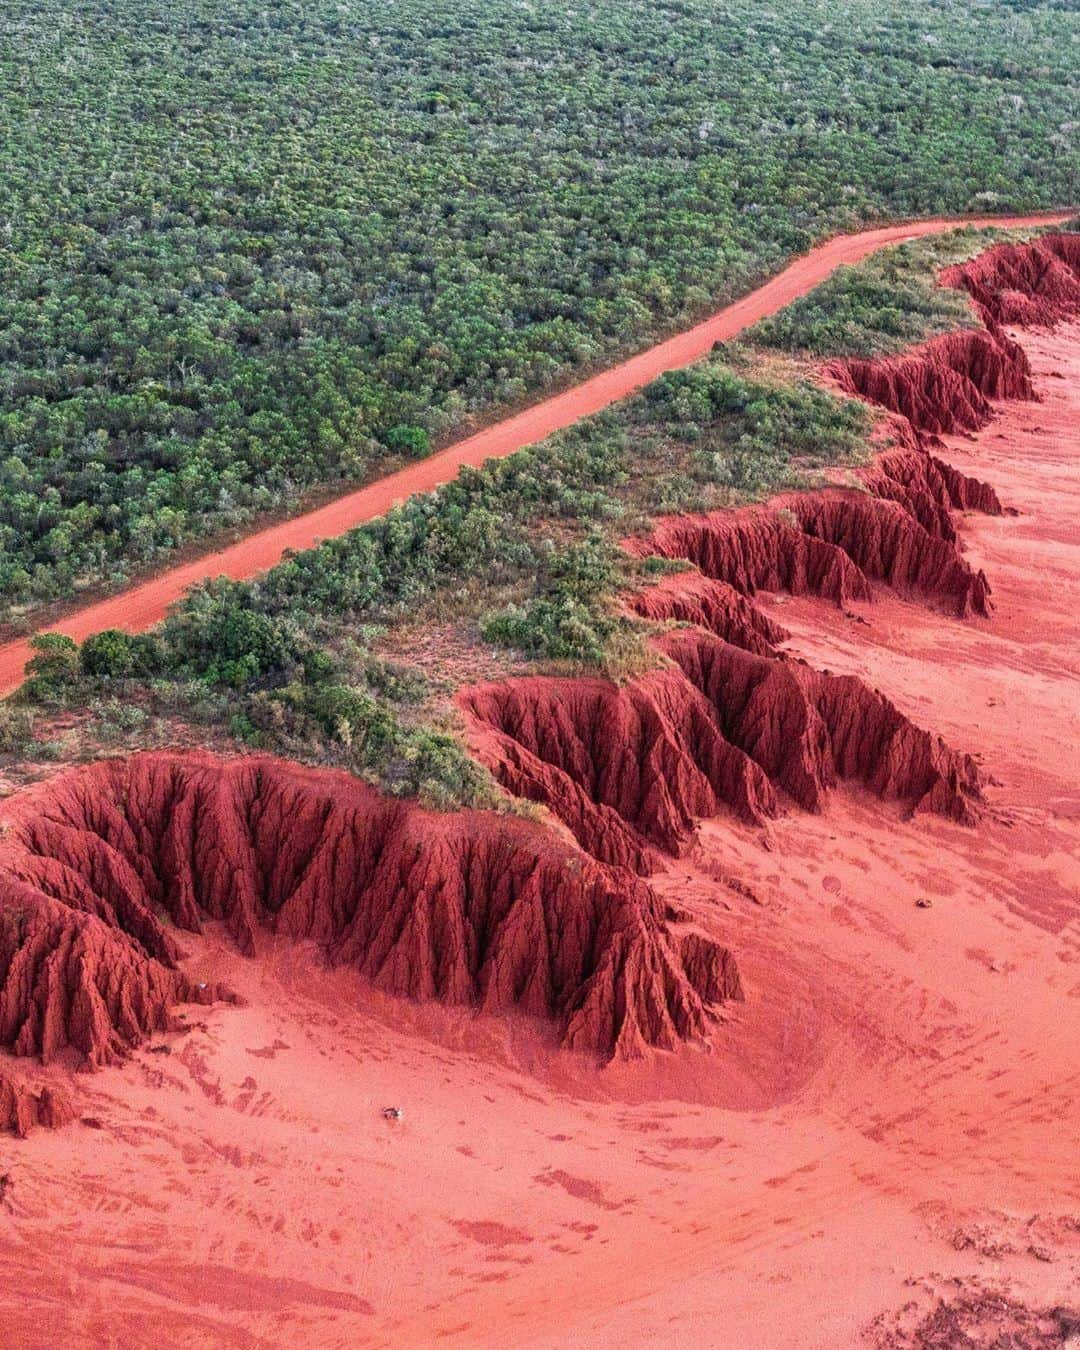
(145, 604)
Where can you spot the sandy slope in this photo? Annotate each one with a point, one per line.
(890, 1118)
(143, 605)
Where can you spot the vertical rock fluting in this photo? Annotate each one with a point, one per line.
(757, 550)
(99, 868)
(1023, 284)
(946, 384)
(691, 597)
(730, 722)
(894, 529)
(808, 730)
(888, 544)
(647, 756)
(719, 728)
(25, 1108)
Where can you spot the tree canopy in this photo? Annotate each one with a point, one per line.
(255, 247)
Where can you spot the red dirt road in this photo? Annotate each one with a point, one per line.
(144, 605)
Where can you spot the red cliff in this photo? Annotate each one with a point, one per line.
(99, 867)
(24, 1108)
(946, 384)
(691, 597)
(1023, 284)
(832, 543)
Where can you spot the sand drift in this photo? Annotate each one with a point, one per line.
(104, 868)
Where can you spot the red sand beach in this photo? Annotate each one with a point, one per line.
(885, 1123)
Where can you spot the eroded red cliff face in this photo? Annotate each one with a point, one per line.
(808, 730)
(1023, 284)
(626, 767)
(946, 384)
(895, 529)
(24, 1108)
(101, 865)
(730, 723)
(716, 606)
(622, 766)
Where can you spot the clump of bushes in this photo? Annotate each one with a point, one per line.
(885, 303)
(569, 617)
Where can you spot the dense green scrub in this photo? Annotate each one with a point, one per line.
(522, 553)
(251, 247)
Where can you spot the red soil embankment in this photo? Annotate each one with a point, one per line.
(694, 598)
(101, 867)
(730, 723)
(1028, 285)
(894, 529)
(946, 384)
(143, 605)
(24, 1108)
(632, 768)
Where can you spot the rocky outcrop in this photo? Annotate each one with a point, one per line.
(101, 868)
(808, 730)
(886, 543)
(622, 767)
(946, 384)
(731, 723)
(24, 1107)
(631, 766)
(690, 597)
(928, 489)
(757, 550)
(1037, 283)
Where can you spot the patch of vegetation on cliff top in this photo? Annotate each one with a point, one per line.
(248, 249)
(311, 659)
(883, 304)
(349, 653)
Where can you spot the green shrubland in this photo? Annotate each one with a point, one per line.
(251, 248)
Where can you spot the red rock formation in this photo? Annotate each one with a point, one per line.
(830, 543)
(690, 597)
(929, 489)
(24, 1108)
(808, 730)
(886, 543)
(1023, 284)
(618, 765)
(468, 909)
(946, 384)
(756, 550)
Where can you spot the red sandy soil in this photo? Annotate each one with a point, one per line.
(143, 605)
(876, 1146)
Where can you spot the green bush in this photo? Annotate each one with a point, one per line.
(115, 655)
(53, 670)
(412, 441)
